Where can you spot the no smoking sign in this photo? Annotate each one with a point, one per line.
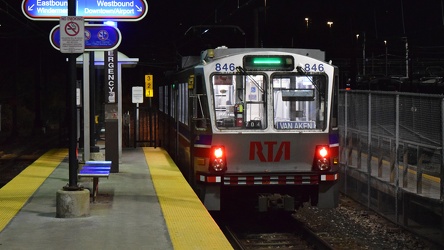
(72, 34)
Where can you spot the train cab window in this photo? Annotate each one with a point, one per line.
(239, 101)
(299, 102)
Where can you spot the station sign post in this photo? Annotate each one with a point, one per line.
(72, 14)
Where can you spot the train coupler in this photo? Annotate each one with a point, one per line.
(267, 202)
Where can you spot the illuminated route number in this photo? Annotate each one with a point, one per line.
(225, 67)
(314, 67)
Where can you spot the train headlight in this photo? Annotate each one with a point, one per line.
(323, 164)
(218, 161)
(321, 158)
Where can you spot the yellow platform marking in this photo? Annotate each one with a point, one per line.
(189, 224)
(411, 171)
(16, 193)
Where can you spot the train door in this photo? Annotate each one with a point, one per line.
(172, 133)
(200, 127)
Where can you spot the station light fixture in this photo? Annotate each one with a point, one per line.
(110, 23)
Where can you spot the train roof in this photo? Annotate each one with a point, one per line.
(224, 51)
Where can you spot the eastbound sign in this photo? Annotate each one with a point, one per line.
(118, 10)
(97, 37)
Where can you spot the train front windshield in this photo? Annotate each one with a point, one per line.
(299, 101)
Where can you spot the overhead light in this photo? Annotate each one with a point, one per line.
(110, 23)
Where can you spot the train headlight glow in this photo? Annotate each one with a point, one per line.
(323, 164)
(218, 165)
(217, 159)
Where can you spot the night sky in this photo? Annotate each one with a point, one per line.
(273, 23)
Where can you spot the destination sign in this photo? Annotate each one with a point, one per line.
(98, 37)
(99, 10)
(296, 125)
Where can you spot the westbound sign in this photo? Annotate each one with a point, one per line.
(98, 37)
(98, 10)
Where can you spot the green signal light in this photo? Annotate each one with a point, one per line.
(269, 60)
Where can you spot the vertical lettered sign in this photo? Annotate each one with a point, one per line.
(111, 64)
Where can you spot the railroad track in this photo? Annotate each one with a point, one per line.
(276, 232)
(260, 241)
(16, 156)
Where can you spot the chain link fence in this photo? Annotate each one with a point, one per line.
(392, 154)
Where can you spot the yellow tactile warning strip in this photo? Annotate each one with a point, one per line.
(189, 224)
(16, 193)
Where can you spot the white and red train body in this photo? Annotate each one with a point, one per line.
(255, 125)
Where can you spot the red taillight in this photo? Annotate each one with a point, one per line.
(321, 158)
(323, 152)
(217, 159)
(218, 152)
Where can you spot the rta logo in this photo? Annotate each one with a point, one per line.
(257, 149)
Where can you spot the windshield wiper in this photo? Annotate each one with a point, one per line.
(242, 71)
(304, 73)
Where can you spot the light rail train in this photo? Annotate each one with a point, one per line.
(254, 125)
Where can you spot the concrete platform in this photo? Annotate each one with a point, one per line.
(127, 213)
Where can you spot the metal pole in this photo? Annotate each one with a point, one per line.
(346, 140)
(86, 110)
(396, 161)
(369, 150)
(73, 164)
(386, 59)
(363, 56)
(441, 191)
(119, 107)
(136, 138)
(92, 102)
(406, 58)
(151, 125)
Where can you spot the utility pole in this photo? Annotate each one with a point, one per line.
(386, 58)
(406, 56)
(363, 56)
